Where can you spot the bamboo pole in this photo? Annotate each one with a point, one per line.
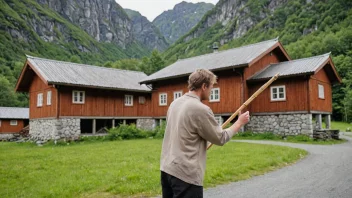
(244, 105)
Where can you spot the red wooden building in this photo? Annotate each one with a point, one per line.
(69, 99)
(302, 90)
(12, 120)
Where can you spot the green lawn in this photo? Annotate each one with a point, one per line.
(122, 168)
(342, 126)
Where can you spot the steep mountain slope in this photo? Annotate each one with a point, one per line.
(94, 31)
(176, 22)
(146, 32)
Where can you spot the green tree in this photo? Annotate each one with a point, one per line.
(7, 94)
(156, 61)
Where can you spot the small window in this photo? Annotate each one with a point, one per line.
(321, 91)
(141, 100)
(128, 100)
(177, 94)
(278, 93)
(215, 95)
(40, 100)
(78, 97)
(163, 99)
(13, 122)
(48, 98)
(219, 120)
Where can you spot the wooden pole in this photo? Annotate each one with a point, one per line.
(244, 105)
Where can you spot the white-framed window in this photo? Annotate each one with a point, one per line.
(321, 91)
(48, 98)
(219, 120)
(78, 97)
(162, 99)
(177, 94)
(214, 95)
(128, 100)
(13, 122)
(278, 93)
(40, 100)
(141, 99)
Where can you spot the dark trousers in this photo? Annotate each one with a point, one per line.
(173, 187)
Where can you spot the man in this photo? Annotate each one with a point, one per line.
(190, 124)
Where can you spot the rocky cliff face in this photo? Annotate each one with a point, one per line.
(236, 16)
(146, 32)
(104, 20)
(91, 31)
(177, 22)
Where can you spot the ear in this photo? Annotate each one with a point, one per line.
(204, 86)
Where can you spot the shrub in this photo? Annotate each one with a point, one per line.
(159, 131)
(126, 132)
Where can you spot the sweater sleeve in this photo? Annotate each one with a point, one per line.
(209, 129)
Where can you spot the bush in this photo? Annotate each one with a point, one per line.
(159, 131)
(126, 132)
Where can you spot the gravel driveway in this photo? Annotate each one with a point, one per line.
(325, 172)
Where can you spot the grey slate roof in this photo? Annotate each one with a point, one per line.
(294, 67)
(59, 72)
(14, 113)
(218, 60)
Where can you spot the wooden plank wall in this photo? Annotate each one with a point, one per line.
(7, 128)
(269, 58)
(318, 104)
(296, 97)
(38, 86)
(103, 103)
(230, 93)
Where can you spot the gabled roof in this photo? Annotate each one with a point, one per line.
(297, 67)
(236, 57)
(81, 75)
(14, 113)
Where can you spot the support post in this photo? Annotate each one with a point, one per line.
(94, 126)
(328, 121)
(113, 123)
(318, 121)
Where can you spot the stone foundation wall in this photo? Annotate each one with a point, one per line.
(290, 124)
(146, 124)
(6, 136)
(48, 129)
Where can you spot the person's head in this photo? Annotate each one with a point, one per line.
(201, 81)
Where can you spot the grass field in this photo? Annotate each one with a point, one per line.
(342, 126)
(122, 168)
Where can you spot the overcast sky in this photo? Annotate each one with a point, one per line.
(153, 8)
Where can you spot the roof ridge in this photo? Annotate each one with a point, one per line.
(85, 65)
(303, 58)
(222, 51)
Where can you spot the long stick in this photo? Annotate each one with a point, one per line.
(244, 105)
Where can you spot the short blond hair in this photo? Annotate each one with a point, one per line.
(200, 76)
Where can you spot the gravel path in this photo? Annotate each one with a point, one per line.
(325, 172)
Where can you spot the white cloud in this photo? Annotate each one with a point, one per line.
(153, 8)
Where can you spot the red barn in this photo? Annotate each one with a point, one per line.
(12, 120)
(302, 90)
(69, 99)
